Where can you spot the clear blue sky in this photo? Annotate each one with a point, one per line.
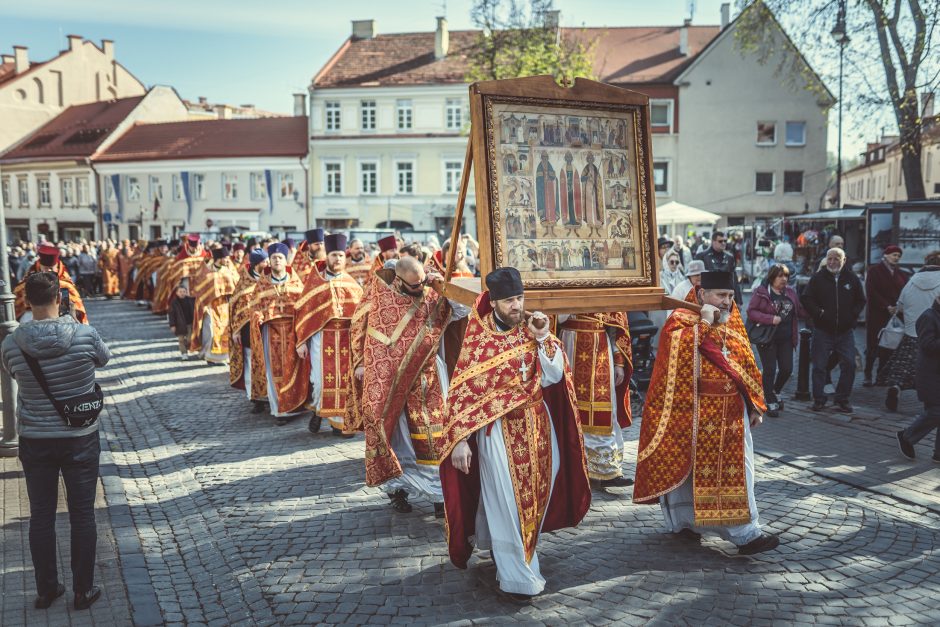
(260, 52)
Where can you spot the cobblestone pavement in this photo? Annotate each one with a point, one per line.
(215, 516)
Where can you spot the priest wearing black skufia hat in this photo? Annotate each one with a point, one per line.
(311, 253)
(513, 463)
(695, 455)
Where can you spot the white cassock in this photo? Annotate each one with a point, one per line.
(246, 371)
(206, 335)
(497, 521)
(679, 510)
(604, 452)
(421, 479)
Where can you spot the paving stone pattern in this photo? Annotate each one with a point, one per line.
(242, 522)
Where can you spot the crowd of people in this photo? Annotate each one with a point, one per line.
(503, 420)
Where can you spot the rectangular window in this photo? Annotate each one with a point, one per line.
(661, 114)
(68, 195)
(156, 188)
(259, 189)
(286, 185)
(333, 175)
(178, 188)
(452, 171)
(766, 133)
(454, 114)
(367, 111)
(81, 184)
(229, 186)
(44, 197)
(661, 177)
(764, 183)
(405, 177)
(796, 133)
(5, 195)
(199, 186)
(369, 178)
(23, 184)
(927, 172)
(793, 182)
(333, 119)
(133, 188)
(403, 114)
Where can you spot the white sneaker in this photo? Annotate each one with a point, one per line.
(829, 389)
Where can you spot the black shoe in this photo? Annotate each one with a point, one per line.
(340, 434)
(520, 597)
(280, 422)
(257, 407)
(907, 449)
(688, 534)
(43, 601)
(400, 502)
(819, 404)
(617, 482)
(844, 407)
(83, 600)
(765, 542)
(438, 510)
(314, 425)
(779, 404)
(891, 401)
(936, 458)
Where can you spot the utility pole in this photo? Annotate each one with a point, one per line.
(9, 445)
(842, 39)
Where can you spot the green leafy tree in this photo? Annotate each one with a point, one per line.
(523, 39)
(890, 62)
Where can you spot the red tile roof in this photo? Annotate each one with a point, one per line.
(265, 137)
(75, 133)
(623, 55)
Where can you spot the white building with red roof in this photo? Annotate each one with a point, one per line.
(388, 118)
(212, 176)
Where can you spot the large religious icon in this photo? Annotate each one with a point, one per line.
(580, 215)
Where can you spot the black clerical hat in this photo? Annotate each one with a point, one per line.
(717, 281)
(504, 283)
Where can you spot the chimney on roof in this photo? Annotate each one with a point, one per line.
(441, 39)
(75, 42)
(20, 59)
(107, 46)
(300, 104)
(926, 105)
(684, 38)
(223, 112)
(6, 58)
(725, 15)
(363, 29)
(202, 100)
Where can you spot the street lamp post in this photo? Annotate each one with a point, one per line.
(842, 38)
(9, 445)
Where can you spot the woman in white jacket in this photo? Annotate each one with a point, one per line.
(916, 297)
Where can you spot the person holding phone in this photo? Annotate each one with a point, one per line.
(49, 261)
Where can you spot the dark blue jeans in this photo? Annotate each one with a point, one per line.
(843, 345)
(776, 359)
(77, 460)
(924, 424)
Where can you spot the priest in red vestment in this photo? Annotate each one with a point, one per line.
(513, 463)
(212, 285)
(246, 362)
(272, 328)
(695, 455)
(48, 261)
(404, 383)
(190, 259)
(309, 253)
(321, 324)
(358, 264)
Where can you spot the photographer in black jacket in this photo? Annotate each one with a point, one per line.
(834, 299)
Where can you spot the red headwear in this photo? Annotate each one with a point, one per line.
(48, 255)
(388, 243)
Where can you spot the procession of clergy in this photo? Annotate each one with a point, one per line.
(503, 420)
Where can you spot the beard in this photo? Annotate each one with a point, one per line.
(357, 258)
(724, 316)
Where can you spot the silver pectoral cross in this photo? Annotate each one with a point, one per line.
(724, 351)
(524, 369)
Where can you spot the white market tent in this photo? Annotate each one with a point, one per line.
(676, 214)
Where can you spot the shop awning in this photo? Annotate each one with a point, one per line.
(854, 213)
(677, 213)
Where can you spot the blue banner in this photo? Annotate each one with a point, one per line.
(187, 194)
(267, 184)
(116, 186)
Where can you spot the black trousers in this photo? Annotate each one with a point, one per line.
(776, 360)
(77, 461)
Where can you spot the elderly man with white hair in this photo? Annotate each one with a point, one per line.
(834, 298)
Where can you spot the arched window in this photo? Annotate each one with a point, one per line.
(40, 96)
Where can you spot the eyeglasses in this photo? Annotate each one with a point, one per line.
(413, 286)
(673, 262)
(720, 241)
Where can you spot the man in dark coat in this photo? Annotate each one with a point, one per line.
(717, 259)
(834, 299)
(927, 382)
(883, 285)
